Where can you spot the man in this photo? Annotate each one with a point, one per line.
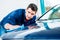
(21, 17)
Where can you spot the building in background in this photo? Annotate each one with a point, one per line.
(51, 3)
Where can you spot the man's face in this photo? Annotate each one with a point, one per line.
(30, 13)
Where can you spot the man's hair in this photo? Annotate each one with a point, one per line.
(33, 7)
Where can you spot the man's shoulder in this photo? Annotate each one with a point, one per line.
(20, 11)
(33, 19)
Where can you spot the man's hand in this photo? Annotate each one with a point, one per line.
(32, 27)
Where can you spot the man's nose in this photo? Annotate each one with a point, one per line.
(29, 15)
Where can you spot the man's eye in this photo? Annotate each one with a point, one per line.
(28, 12)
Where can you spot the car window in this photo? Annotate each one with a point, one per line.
(53, 13)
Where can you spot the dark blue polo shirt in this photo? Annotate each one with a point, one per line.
(17, 17)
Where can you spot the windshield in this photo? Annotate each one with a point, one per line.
(53, 13)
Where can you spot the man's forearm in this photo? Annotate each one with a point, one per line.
(10, 27)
